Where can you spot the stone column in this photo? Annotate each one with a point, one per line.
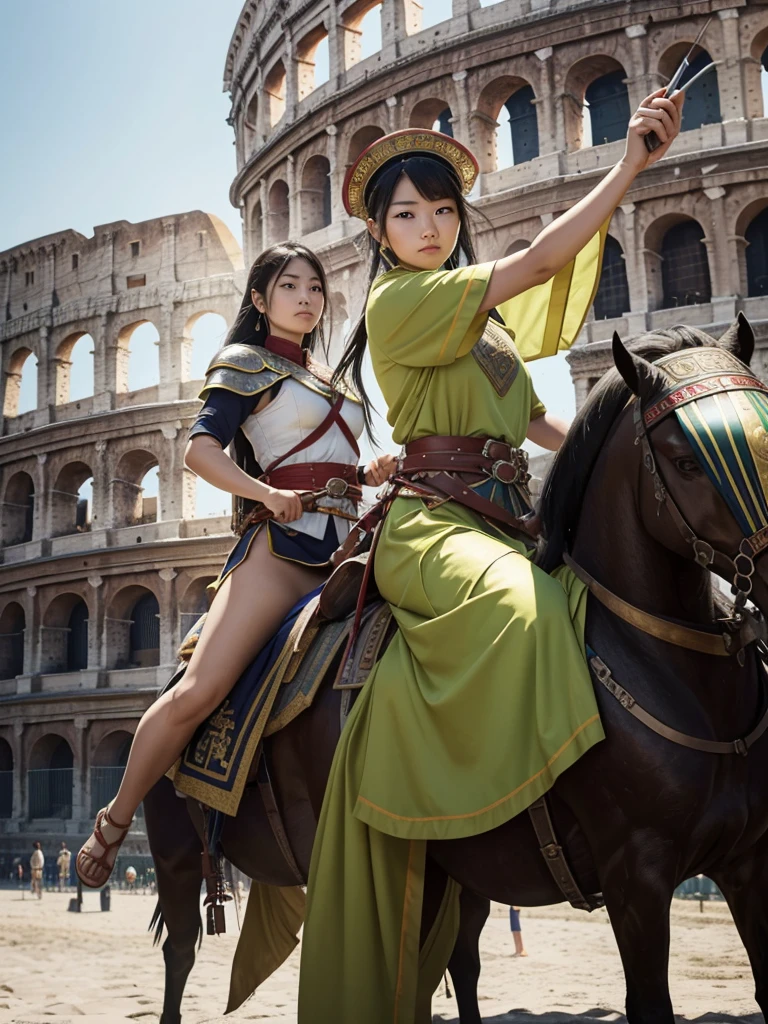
(96, 618)
(545, 103)
(392, 104)
(172, 471)
(732, 103)
(652, 262)
(337, 172)
(266, 233)
(19, 772)
(461, 115)
(636, 277)
(41, 508)
(392, 29)
(100, 509)
(294, 214)
(81, 788)
(45, 386)
(103, 366)
(291, 75)
(169, 617)
(167, 270)
(723, 296)
(32, 633)
(170, 356)
(640, 82)
(336, 66)
(105, 284)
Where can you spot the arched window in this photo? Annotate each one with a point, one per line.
(279, 216)
(370, 32)
(684, 268)
(442, 122)
(150, 488)
(612, 297)
(523, 125)
(49, 779)
(756, 236)
(77, 640)
(274, 89)
(12, 625)
(432, 113)
(608, 103)
(206, 333)
(361, 140)
(194, 603)
(145, 632)
(315, 194)
(133, 487)
(702, 101)
(313, 57)
(18, 509)
(74, 369)
(71, 500)
(144, 357)
(6, 779)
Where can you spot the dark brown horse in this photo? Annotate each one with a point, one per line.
(640, 812)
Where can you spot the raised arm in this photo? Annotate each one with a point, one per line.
(562, 240)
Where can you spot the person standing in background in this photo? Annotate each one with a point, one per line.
(36, 865)
(63, 862)
(517, 935)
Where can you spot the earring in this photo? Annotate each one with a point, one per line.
(389, 257)
(257, 326)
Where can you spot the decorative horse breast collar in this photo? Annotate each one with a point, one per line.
(251, 369)
(722, 409)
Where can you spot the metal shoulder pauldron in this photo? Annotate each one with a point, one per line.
(251, 369)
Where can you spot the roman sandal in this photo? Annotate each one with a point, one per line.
(85, 859)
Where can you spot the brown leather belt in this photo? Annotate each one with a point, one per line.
(429, 468)
(337, 478)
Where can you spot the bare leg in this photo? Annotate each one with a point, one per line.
(519, 944)
(247, 610)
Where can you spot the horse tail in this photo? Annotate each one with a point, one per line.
(158, 923)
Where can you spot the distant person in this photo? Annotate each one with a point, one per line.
(517, 935)
(36, 865)
(63, 862)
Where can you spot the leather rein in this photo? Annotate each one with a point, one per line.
(737, 632)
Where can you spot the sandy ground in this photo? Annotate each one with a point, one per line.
(98, 967)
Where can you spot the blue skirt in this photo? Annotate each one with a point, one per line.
(284, 543)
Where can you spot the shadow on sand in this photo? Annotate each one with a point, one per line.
(598, 1016)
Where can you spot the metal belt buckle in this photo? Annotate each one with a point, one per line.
(504, 472)
(336, 487)
(486, 452)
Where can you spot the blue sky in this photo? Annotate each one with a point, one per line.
(114, 113)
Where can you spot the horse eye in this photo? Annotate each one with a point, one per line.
(687, 465)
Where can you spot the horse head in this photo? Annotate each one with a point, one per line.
(700, 421)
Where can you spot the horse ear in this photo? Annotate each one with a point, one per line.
(639, 375)
(739, 339)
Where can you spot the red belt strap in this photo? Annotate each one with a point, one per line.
(314, 476)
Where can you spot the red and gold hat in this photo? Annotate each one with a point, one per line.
(399, 146)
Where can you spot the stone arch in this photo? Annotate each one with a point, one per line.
(133, 628)
(64, 634)
(256, 229)
(13, 623)
(194, 603)
(307, 54)
(6, 779)
(128, 505)
(702, 101)
(74, 368)
(204, 334)
(495, 131)
(71, 500)
(361, 140)
(250, 124)
(274, 92)
(279, 211)
(140, 343)
(612, 298)
(434, 113)
(50, 777)
(517, 246)
(107, 765)
(18, 509)
(315, 194)
(756, 237)
(679, 241)
(596, 101)
(20, 383)
(756, 75)
(361, 23)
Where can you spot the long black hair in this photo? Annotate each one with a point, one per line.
(434, 180)
(250, 326)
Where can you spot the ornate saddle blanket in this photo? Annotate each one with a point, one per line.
(279, 684)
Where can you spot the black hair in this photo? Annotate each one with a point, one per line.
(250, 326)
(434, 180)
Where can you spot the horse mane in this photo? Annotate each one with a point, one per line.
(563, 492)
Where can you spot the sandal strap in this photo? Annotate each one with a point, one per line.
(103, 816)
(110, 821)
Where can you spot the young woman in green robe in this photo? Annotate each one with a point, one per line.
(484, 697)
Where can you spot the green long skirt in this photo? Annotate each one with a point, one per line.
(482, 700)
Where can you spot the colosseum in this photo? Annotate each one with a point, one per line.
(96, 591)
(100, 578)
(541, 91)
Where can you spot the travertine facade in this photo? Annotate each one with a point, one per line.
(93, 603)
(689, 233)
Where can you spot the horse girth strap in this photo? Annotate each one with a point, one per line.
(628, 702)
(719, 644)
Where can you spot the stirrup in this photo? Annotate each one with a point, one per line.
(100, 859)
